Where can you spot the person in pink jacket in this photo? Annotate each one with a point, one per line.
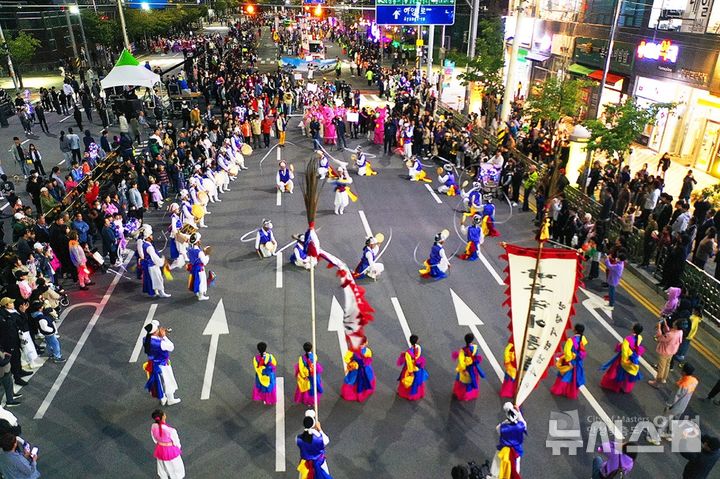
(167, 448)
(668, 342)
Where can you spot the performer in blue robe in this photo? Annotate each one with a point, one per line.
(312, 444)
(436, 266)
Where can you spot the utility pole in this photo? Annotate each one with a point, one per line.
(70, 29)
(512, 67)
(473, 28)
(6, 50)
(431, 45)
(608, 57)
(122, 25)
(85, 43)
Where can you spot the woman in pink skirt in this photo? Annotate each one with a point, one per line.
(265, 365)
(167, 448)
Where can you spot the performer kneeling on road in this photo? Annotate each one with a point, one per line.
(265, 243)
(367, 266)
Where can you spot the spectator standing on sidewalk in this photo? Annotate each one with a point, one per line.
(700, 464)
(668, 343)
(40, 114)
(706, 249)
(47, 328)
(7, 380)
(675, 408)
(20, 156)
(75, 144)
(615, 268)
(687, 186)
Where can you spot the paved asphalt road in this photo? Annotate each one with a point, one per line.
(96, 416)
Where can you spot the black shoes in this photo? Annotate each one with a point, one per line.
(12, 403)
(21, 382)
(24, 373)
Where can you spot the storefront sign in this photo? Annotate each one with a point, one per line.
(592, 52)
(663, 52)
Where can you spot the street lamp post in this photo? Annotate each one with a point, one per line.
(608, 57)
(11, 70)
(122, 25)
(72, 34)
(75, 10)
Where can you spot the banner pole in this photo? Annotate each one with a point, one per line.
(314, 337)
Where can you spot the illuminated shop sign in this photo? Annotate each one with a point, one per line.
(663, 52)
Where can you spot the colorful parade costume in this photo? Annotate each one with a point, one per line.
(197, 259)
(623, 370)
(507, 390)
(359, 382)
(448, 183)
(571, 371)
(167, 451)
(472, 201)
(488, 220)
(265, 243)
(506, 463)
(475, 238)
(305, 369)
(325, 169)
(416, 172)
(363, 165)
(367, 266)
(436, 266)
(264, 388)
(467, 380)
(284, 178)
(343, 194)
(160, 378)
(178, 239)
(412, 378)
(312, 456)
(299, 256)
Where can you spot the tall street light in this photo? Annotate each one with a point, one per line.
(122, 25)
(75, 10)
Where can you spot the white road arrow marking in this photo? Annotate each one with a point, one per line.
(335, 323)
(280, 425)
(489, 267)
(432, 193)
(466, 317)
(139, 343)
(215, 327)
(401, 317)
(279, 270)
(595, 302)
(278, 198)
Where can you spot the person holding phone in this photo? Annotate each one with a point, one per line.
(16, 461)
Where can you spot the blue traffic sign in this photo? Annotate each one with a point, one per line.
(423, 12)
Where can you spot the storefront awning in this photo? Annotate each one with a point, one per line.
(581, 70)
(611, 78)
(538, 57)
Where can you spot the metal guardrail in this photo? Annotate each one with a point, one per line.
(692, 277)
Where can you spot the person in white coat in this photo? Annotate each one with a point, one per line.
(284, 178)
(155, 262)
(265, 242)
(342, 190)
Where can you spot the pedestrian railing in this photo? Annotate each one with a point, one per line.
(693, 278)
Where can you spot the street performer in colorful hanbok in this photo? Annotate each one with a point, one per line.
(312, 444)
(152, 264)
(473, 202)
(507, 390)
(415, 170)
(467, 380)
(178, 239)
(571, 370)
(284, 178)
(436, 266)
(623, 370)
(367, 266)
(265, 243)
(448, 183)
(305, 370)
(363, 165)
(299, 256)
(161, 380)
(475, 238)
(197, 259)
(411, 383)
(325, 169)
(343, 195)
(359, 382)
(506, 463)
(264, 365)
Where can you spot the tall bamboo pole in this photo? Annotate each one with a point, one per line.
(314, 339)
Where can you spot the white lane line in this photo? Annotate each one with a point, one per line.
(488, 352)
(278, 271)
(278, 157)
(617, 432)
(78, 347)
(432, 192)
(278, 198)
(25, 141)
(489, 267)
(62, 120)
(63, 161)
(366, 225)
(401, 317)
(141, 337)
(280, 425)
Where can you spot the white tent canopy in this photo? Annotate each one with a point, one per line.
(128, 72)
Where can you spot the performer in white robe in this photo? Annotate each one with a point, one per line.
(299, 256)
(363, 165)
(265, 243)
(367, 266)
(198, 259)
(342, 191)
(284, 178)
(178, 240)
(161, 380)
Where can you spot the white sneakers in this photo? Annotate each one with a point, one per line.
(202, 297)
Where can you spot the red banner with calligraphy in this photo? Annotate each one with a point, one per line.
(539, 316)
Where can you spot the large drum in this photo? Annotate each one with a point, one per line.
(233, 170)
(198, 210)
(489, 175)
(202, 199)
(246, 149)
